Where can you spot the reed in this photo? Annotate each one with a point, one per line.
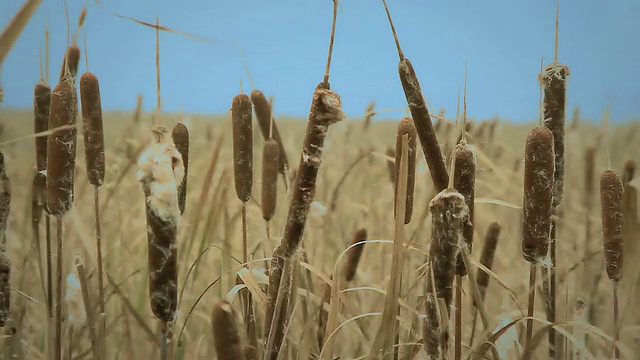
(406, 127)
(226, 336)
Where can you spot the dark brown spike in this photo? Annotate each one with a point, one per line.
(61, 148)
(406, 127)
(629, 171)
(354, 254)
(92, 125)
(72, 56)
(538, 194)
(268, 126)
(464, 180)
(180, 136)
(242, 146)
(487, 256)
(226, 336)
(611, 200)
(5, 289)
(41, 103)
(5, 202)
(270, 161)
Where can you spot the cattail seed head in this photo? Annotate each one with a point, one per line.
(589, 174)
(242, 146)
(250, 353)
(61, 148)
(92, 125)
(5, 289)
(487, 256)
(41, 103)
(270, 161)
(554, 83)
(629, 171)
(226, 336)
(406, 127)
(354, 254)
(180, 136)
(72, 57)
(538, 194)
(611, 200)
(5, 200)
(464, 180)
(160, 169)
(268, 126)
(424, 126)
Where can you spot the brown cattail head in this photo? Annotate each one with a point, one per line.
(449, 213)
(71, 57)
(92, 124)
(250, 353)
(487, 256)
(270, 161)
(5, 289)
(38, 200)
(226, 336)
(61, 148)
(180, 136)
(424, 126)
(406, 127)
(629, 171)
(554, 83)
(354, 254)
(326, 109)
(160, 169)
(611, 200)
(464, 180)
(391, 165)
(589, 174)
(5, 201)
(538, 194)
(41, 103)
(268, 126)
(242, 146)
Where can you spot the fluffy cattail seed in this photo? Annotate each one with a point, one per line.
(226, 336)
(61, 148)
(180, 136)
(93, 132)
(354, 254)
(611, 199)
(538, 194)
(270, 161)
(406, 127)
(242, 146)
(41, 103)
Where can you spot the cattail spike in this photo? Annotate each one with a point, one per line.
(180, 136)
(354, 254)
(406, 127)
(464, 179)
(611, 199)
(70, 63)
(41, 103)
(270, 162)
(268, 127)
(242, 146)
(226, 336)
(487, 256)
(93, 131)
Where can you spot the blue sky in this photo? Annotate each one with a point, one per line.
(285, 44)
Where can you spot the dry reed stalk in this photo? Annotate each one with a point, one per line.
(270, 161)
(629, 171)
(226, 336)
(180, 136)
(486, 259)
(354, 254)
(160, 169)
(406, 127)
(41, 103)
(579, 331)
(70, 62)
(420, 114)
(268, 127)
(449, 214)
(11, 33)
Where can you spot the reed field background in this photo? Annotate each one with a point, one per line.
(222, 302)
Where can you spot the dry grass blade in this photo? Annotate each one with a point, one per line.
(93, 131)
(180, 136)
(41, 103)
(168, 29)
(242, 146)
(406, 127)
(10, 34)
(226, 336)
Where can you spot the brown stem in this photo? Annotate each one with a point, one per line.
(58, 324)
(49, 269)
(458, 319)
(616, 319)
(532, 300)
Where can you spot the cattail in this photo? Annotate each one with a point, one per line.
(41, 103)
(268, 127)
(160, 169)
(487, 256)
(629, 171)
(538, 194)
(226, 336)
(180, 136)
(5, 289)
(61, 148)
(242, 146)
(406, 127)
(354, 254)
(275, 273)
(275, 278)
(72, 58)
(5, 202)
(449, 213)
(589, 174)
(611, 198)
(554, 83)
(391, 165)
(464, 180)
(270, 161)
(326, 109)
(250, 353)
(93, 132)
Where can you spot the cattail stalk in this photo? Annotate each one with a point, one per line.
(276, 318)
(406, 127)
(226, 336)
(611, 200)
